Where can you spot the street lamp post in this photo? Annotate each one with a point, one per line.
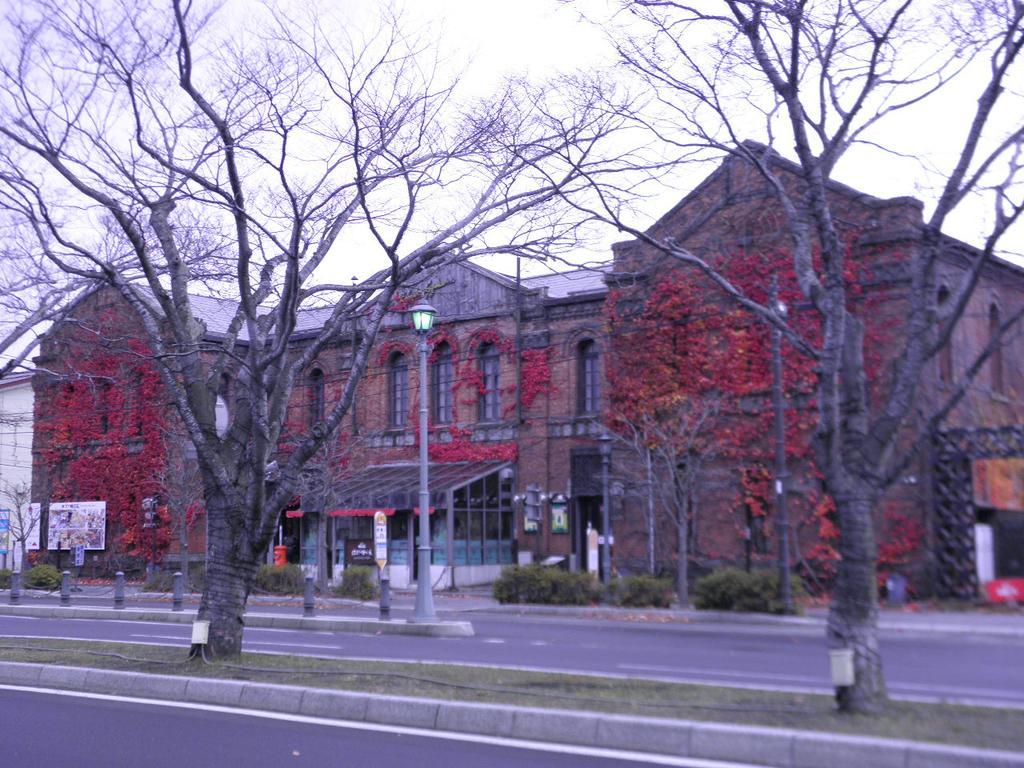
(605, 441)
(423, 320)
(781, 473)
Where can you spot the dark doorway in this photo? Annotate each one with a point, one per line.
(1009, 544)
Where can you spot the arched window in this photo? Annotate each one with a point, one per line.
(588, 377)
(490, 395)
(316, 397)
(946, 353)
(996, 360)
(442, 385)
(221, 410)
(398, 390)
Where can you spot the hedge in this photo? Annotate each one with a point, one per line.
(280, 579)
(358, 582)
(732, 589)
(550, 586)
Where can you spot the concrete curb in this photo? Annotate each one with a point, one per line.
(780, 748)
(886, 624)
(324, 624)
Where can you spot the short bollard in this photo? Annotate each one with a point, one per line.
(385, 595)
(178, 600)
(15, 596)
(65, 588)
(119, 589)
(308, 606)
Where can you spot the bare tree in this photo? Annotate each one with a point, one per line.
(318, 485)
(155, 150)
(180, 483)
(822, 78)
(24, 520)
(674, 447)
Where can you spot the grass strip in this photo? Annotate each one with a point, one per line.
(941, 723)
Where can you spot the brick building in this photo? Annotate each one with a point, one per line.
(501, 422)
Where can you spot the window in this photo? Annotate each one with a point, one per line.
(483, 531)
(490, 395)
(995, 362)
(441, 389)
(588, 378)
(946, 353)
(222, 409)
(103, 405)
(398, 390)
(316, 397)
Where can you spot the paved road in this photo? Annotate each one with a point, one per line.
(943, 666)
(43, 729)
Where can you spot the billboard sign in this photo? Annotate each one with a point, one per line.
(77, 523)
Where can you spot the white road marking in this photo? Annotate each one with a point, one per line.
(539, 642)
(494, 640)
(500, 741)
(289, 645)
(161, 637)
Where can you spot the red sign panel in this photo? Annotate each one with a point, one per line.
(1005, 590)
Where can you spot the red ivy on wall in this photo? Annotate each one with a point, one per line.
(463, 448)
(104, 435)
(681, 341)
(536, 375)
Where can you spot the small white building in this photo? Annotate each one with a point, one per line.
(16, 419)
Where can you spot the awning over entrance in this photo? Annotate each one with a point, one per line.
(360, 512)
(370, 512)
(396, 486)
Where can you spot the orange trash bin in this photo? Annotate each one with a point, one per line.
(280, 555)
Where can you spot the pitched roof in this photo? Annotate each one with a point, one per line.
(560, 285)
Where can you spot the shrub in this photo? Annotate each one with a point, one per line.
(358, 582)
(280, 579)
(5, 578)
(642, 592)
(551, 586)
(42, 577)
(731, 589)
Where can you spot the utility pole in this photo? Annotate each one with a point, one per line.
(781, 473)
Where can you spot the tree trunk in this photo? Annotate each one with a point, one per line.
(853, 613)
(321, 552)
(183, 550)
(682, 567)
(231, 567)
(650, 513)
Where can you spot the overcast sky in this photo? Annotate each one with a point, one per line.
(540, 38)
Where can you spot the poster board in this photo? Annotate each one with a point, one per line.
(77, 523)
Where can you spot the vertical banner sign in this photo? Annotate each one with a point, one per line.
(380, 539)
(5, 530)
(33, 525)
(559, 514)
(79, 555)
